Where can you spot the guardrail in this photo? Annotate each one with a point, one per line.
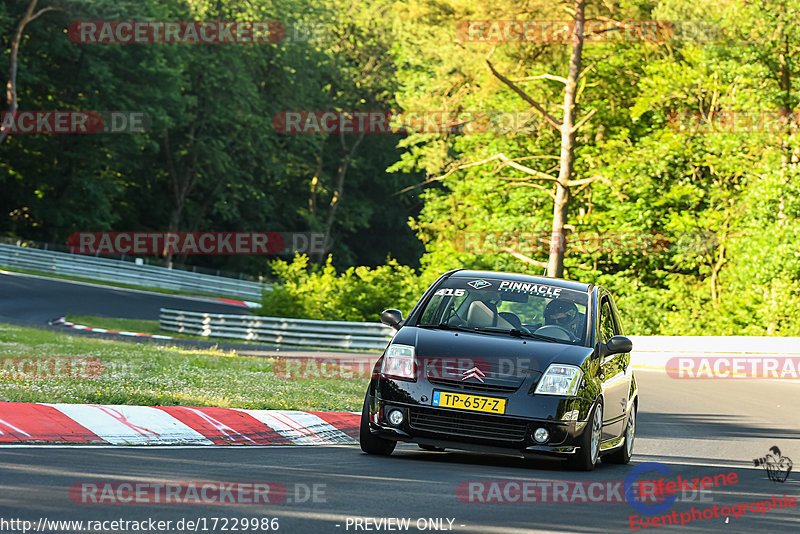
(125, 272)
(677, 345)
(280, 331)
(649, 352)
(661, 352)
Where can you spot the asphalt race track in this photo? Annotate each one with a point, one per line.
(695, 428)
(34, 300)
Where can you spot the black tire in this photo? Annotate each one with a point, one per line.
(588, 456)
(431, 448)
(369, 443)
(624, 453)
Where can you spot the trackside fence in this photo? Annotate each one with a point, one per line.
(279, 331)
(125, 272)
(649, 352)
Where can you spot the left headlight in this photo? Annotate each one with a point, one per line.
(560, 380)
(399, 362)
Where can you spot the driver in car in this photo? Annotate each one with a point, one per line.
(564, 314)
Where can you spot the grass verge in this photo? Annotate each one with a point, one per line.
(141, 326)
(151, 375)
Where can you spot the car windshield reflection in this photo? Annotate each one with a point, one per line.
(536, 311)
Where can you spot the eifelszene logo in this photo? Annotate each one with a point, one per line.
(778, 467)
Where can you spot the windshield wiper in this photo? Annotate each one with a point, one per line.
(516, 332)
(446, 326)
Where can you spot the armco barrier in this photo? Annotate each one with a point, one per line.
(280, 331)
(651, 352)
(111, 270)
(655, 351)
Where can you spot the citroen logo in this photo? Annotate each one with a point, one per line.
(473, 373)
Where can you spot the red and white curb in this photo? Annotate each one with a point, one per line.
(61, 321)
(245, 303)
(22, 422)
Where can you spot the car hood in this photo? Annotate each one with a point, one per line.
(500, 358)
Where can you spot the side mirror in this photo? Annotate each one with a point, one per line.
(618, 345)
(392, 317)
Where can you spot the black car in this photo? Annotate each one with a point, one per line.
(506, 363)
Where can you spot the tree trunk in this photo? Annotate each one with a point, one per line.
(785, 84)
(13, 63)
(312, 198)
(338, 194)
(555, 264)
(181, 187)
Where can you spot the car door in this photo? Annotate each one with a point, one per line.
(614, 372)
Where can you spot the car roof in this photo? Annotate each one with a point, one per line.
(556, 282)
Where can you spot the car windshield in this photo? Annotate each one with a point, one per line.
(519, 308)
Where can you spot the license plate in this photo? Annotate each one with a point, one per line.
(475, 403)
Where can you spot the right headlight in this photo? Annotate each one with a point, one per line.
(560, 379)
(398, 362)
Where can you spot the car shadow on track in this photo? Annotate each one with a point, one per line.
(457, 457)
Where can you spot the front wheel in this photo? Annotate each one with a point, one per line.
(589, 450)
(369, 443)
(624, 453)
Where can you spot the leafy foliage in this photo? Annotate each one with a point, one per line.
(356, 294)
(698, 216)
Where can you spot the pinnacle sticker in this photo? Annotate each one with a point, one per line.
(536, 289)
(479, 284)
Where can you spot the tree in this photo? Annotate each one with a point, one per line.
(29, 16)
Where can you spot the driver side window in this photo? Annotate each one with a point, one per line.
(606, 322)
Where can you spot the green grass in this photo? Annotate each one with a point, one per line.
(141, 326)
(151, 375)
(121, 285)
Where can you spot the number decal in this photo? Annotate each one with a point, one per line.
(450, 292)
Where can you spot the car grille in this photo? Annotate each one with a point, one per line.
(474, 386)
(468, 424)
